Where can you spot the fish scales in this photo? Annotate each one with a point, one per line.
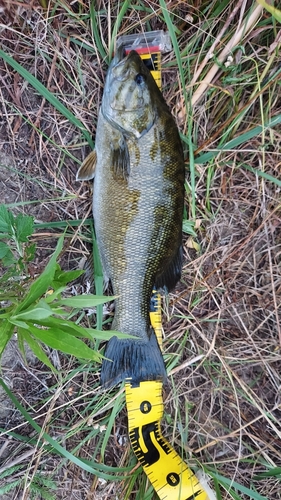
(138, 208)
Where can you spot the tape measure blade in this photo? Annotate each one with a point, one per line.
(168, 473)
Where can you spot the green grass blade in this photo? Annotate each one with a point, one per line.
(100, 469)
(237, 141)
(47, 95)
(117, 25)
(95, 32)
(231, 485)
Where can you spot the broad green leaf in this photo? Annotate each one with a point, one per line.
(41, 311)
(62, 341)
(37, 349)
(24, 226)
(9, 259)
(107, 334)
(188, 227)
(17, 322)
(4, 249)
(62, 278)
(79, 331)
(41, 284)
(67, 326)
(6, 220)
(87, 300)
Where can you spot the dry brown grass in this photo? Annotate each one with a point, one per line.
(222, 322)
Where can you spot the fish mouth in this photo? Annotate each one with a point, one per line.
(121, 60)
(120, 54)
(119, 70)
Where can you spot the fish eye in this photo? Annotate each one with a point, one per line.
(139, 79)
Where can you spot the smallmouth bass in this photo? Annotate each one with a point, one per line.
(138, 170)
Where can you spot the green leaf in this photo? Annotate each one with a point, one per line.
(7, 330)
(29, 252)
(10, 471)
(67, 326)
(188, 227)
(6, 220)
(41, 311)
(79, 331)
(107, 334)
(19, 323)
(41, 284)
(10, 486)
(37, 349)
(62, 278)
(9, 259)
(62, 341)
(230, 485)
(237, 141)
(4, 249)
(24, 226)
(52, 295)
(87, 300)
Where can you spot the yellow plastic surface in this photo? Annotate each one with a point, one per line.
(168, 473)
(156, 59)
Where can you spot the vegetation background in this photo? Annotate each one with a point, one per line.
(61, 437)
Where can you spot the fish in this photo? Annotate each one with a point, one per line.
(138, 198)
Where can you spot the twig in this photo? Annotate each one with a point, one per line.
(17, 460)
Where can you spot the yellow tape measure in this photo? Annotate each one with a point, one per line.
(168, 473)
(153, 62)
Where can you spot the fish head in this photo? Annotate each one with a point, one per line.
(128, 99)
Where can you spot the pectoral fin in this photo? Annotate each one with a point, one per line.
(121, 160)
(88, 167)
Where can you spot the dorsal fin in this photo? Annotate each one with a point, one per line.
(88, 167)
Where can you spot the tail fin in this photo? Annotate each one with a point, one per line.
(138, 360)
